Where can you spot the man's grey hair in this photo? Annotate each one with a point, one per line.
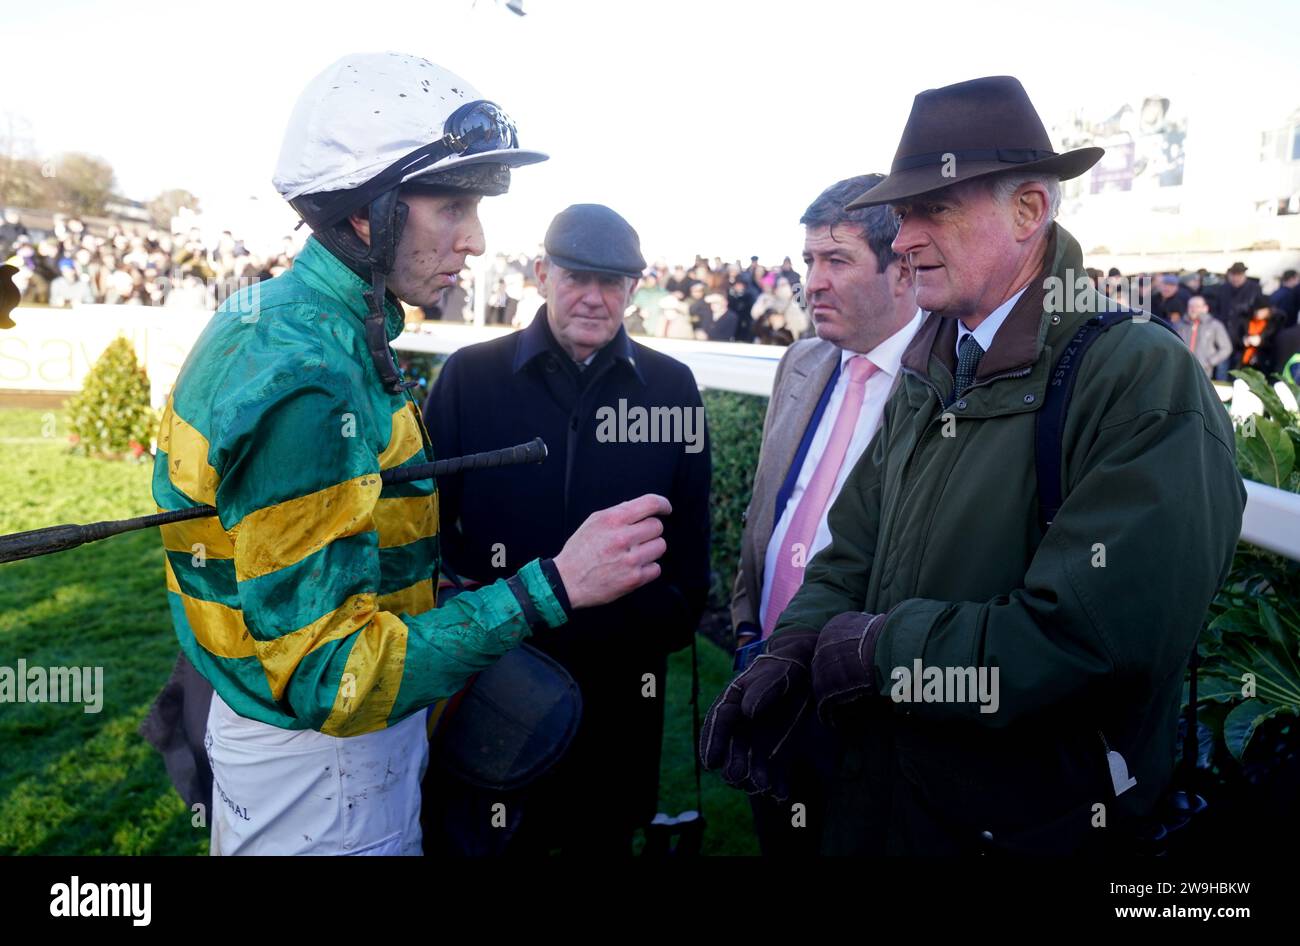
(1004, 185)
(876, 225)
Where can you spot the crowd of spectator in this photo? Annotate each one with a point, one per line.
(708, 301)
(717, 302)
(130, 264)
(1227, 320)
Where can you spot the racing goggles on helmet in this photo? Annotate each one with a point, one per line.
(474, 128)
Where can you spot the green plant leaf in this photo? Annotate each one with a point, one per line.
(1290, 383)
(1274, 409)
(1231, 623)
(1241, 724)
(1272, 670)
(1277, 633)
(1214, 688)
(1288, 613)
(1268, 457)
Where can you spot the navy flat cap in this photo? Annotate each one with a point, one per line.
(591, 238)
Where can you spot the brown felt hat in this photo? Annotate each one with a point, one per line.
(968, 130)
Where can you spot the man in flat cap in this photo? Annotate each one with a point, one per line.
(1002, 675)
(620, 419)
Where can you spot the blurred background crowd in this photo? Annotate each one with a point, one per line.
(705, 300)
(67, 263)
(1228, 319)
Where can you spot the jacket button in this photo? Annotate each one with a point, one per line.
(961, 405)
(1056, 320)
(551, 364)
(1029, 399)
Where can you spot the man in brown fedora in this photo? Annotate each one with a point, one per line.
(1001, 677)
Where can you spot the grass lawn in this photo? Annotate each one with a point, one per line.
(730, 826)
(84, 783)
(74, 782)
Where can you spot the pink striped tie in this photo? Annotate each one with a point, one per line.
(812, 505)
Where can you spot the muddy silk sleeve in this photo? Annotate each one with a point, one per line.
(340, 652)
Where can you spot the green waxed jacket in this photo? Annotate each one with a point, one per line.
(1089, 626)
(308, 602)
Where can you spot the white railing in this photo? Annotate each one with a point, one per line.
(1271, 520)
(725, 366)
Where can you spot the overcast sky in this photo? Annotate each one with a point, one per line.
(709, 125)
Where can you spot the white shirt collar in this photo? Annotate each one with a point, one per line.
(985, 331)
(887, 355)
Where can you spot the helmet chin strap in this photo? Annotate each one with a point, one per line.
(373, 261)
(387, 220)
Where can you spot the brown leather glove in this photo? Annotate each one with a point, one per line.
(843, 667)
(749, 723)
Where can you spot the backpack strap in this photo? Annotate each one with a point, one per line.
(1050, 422)
(1049, 428)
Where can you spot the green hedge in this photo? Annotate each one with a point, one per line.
(736, 432)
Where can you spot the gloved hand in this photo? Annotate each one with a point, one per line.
(9, 295)
(747, 726)
(843, 666)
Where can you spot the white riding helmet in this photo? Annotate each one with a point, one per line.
(368, 111)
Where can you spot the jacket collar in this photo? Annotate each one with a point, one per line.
(817, 361)
(322, 271)
(537, 340)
